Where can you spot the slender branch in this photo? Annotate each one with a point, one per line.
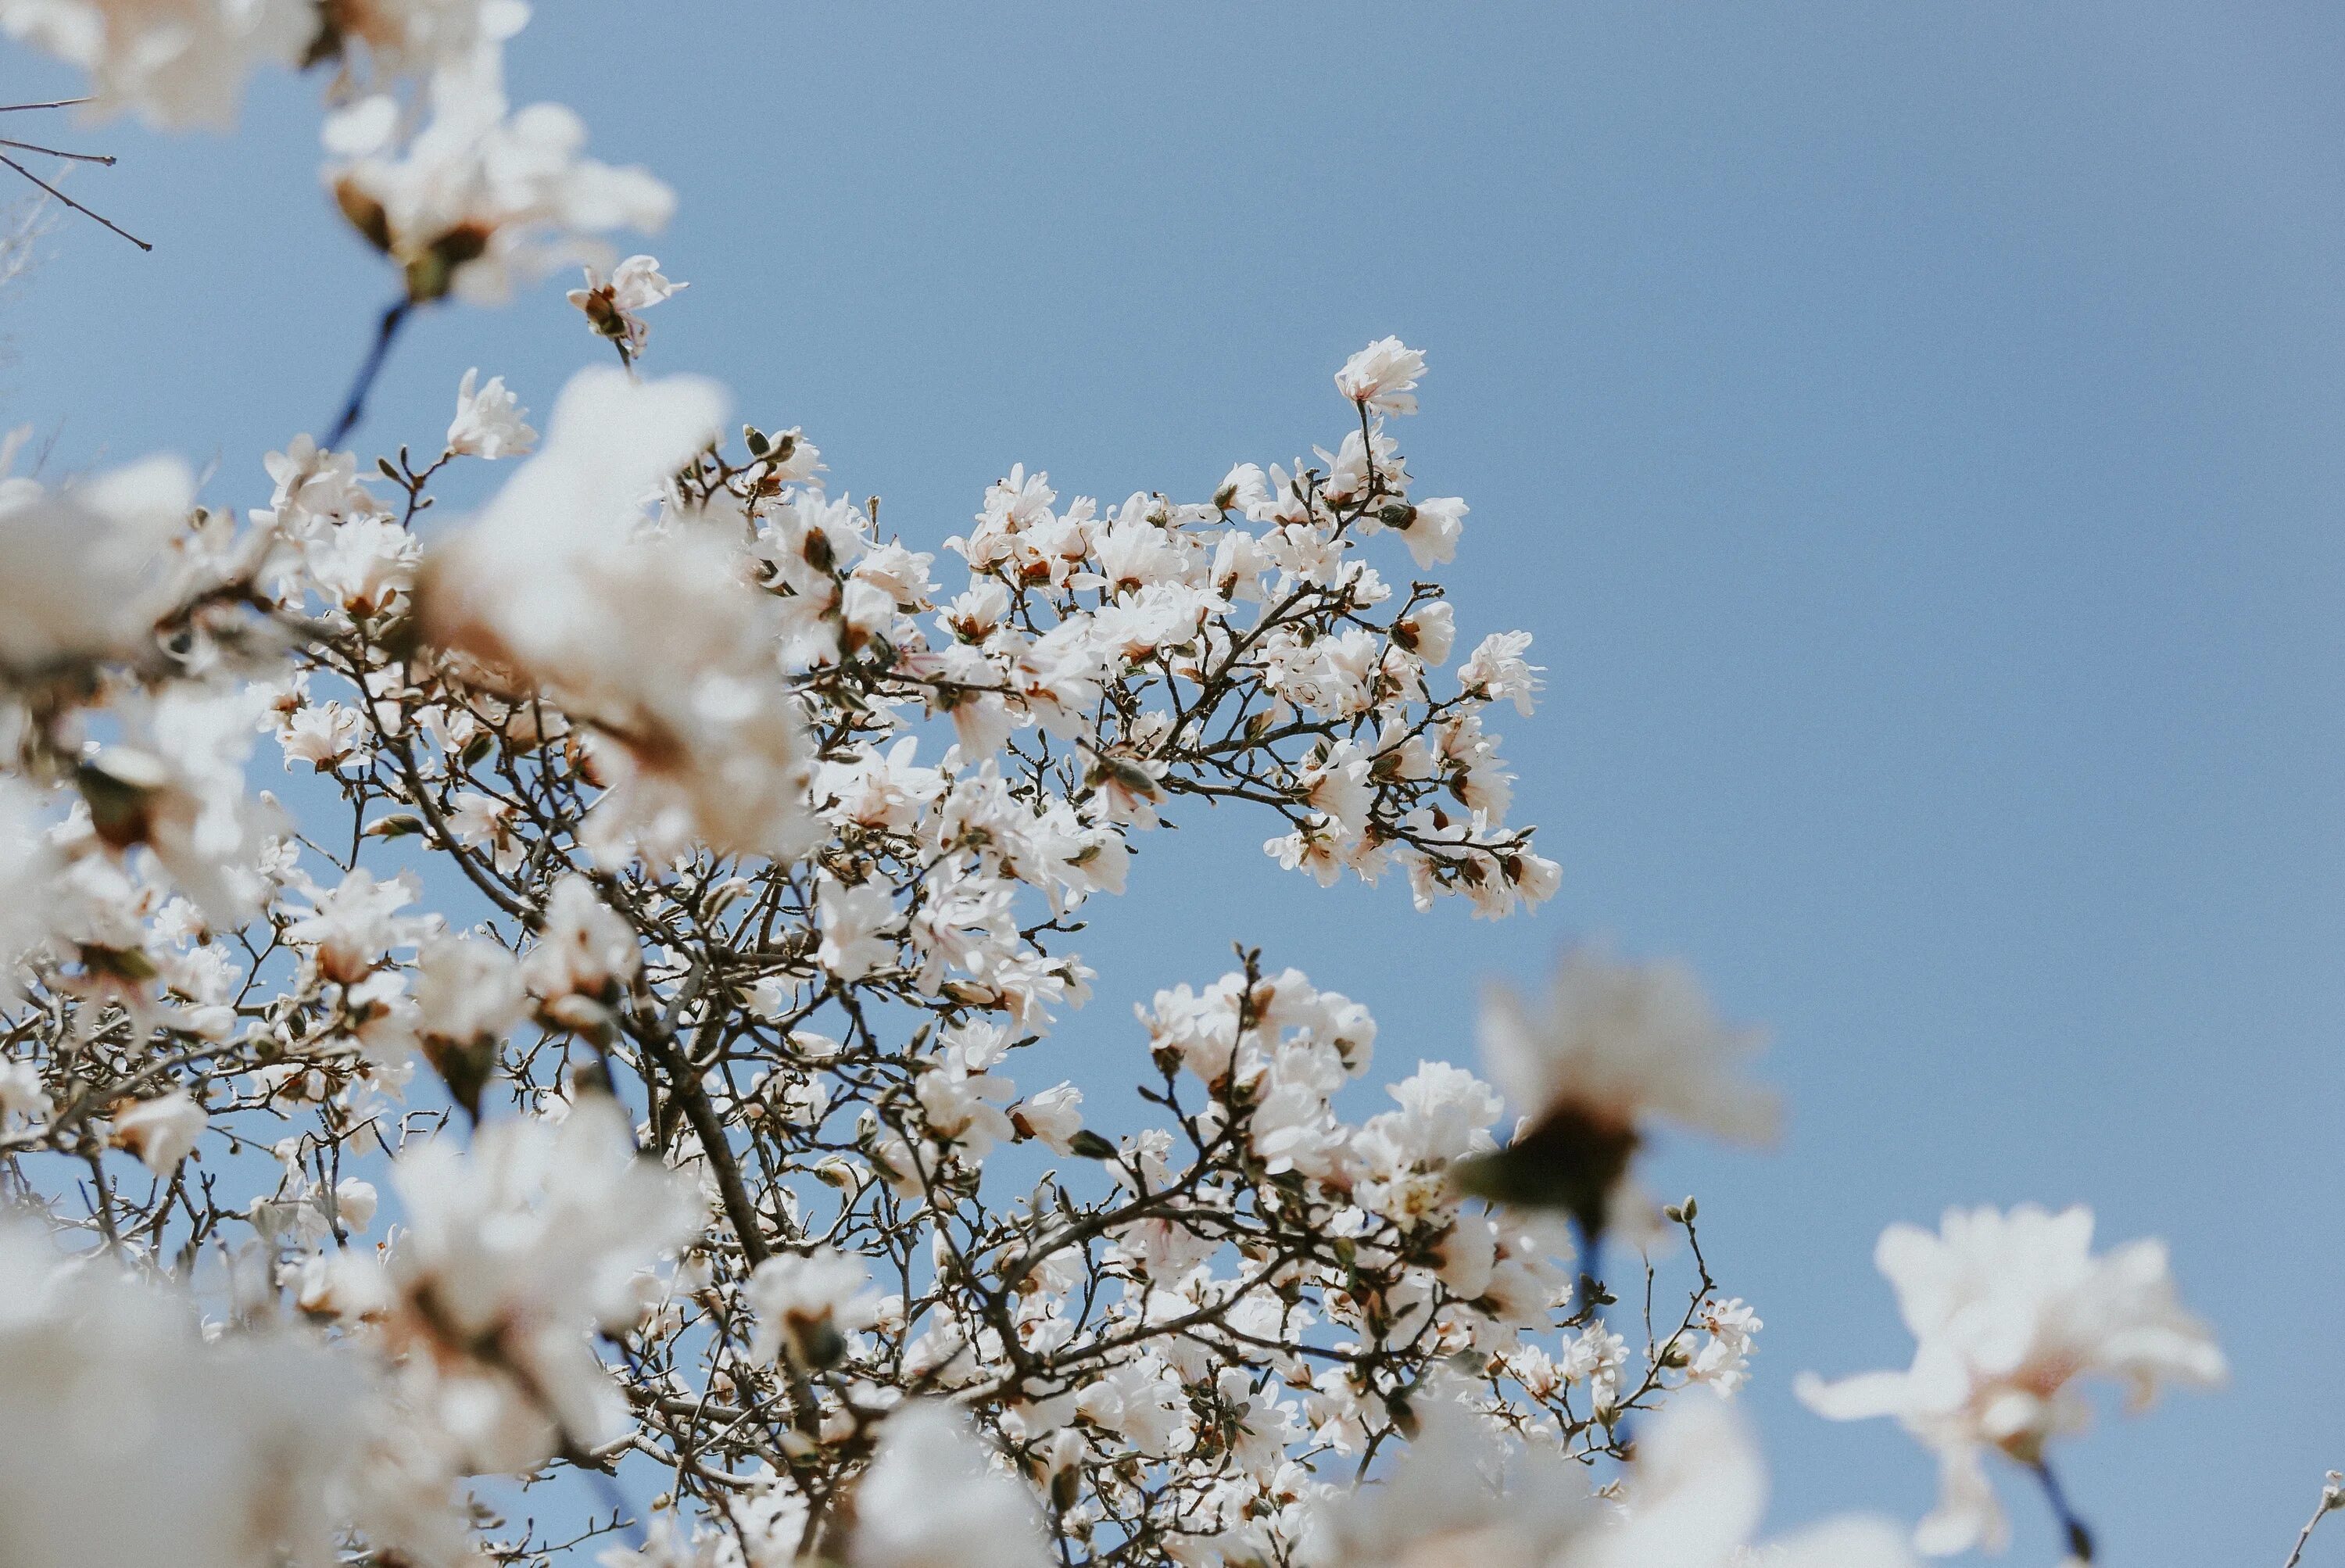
(107, 159)
(2332, 1498)
(2080, 1539)
(99, 217)
(385, 331)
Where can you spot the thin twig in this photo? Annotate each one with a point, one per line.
(77, 207)
(2080, 1539)
(372, 366)
(107, 159)
(2332, 1498)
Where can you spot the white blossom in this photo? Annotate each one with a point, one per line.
(2009, 1311)
(490, 420)
(515, 1250)
(128, 1436)
(161, 1131)
(1383, 376)
(84, 569)
(807, 1303)
(932, 1499)
(613, 307)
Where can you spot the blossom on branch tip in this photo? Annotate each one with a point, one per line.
(515, 1251)
(490, 423)
(161, 1131)
(613, 306)
(1614, 1047)
(2009, 1311)
(482, 195)
(1383, 376)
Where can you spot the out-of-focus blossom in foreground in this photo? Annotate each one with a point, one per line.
(935, 1498)
(1613, 1047)
(514, 1252)
(2009, 1313)
(482, 196)
(174, 63)
(85, 568)
(127, 1437)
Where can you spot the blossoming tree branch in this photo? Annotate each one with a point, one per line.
(657, 1198)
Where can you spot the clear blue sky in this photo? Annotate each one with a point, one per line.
(1912, 434)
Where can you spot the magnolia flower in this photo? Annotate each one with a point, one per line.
(161, 1131)
(1497, 671)
(586, 951)
(1617, 1046)
(481, 195)
(1698, 1490)
(612, 308)
(467, 994)
(1383, 376)
(28, 866)
(489, 422)
(516, 1251)
(654, 640)
(2008, 1311)
(852, 921)
(808, 1305)
(1457, 1498)
(354, 1203)
(175, 783)
(129, 1436)
(84, 568)
(174, 62)
(933, 1498)
(1054, 1114)
(414, 38)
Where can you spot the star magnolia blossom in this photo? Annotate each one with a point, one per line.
(85, 570)
(482, 195)
(1613, 1047)
(613, 307)
(490, 420)
(934, 1498)
(127, 1437)
(1461, 1499)
(2009, 1313)
(513, 1253)
(177, 63)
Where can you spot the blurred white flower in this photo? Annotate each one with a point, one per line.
(516, 1251)
(808, 1304)
(934, 1498)
(655, 640)
(1613, 1047)
(1457, 1497)
(174, 62)
(1697, 1492)
(85, 569)
(128, 1438)
(482, 195)
(161, 1131)
(2008, 1311)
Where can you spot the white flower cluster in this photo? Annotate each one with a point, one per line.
(694, 1118)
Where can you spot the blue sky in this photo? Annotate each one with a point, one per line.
(1912, 434)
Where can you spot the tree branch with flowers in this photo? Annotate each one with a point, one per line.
(725, 1223)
